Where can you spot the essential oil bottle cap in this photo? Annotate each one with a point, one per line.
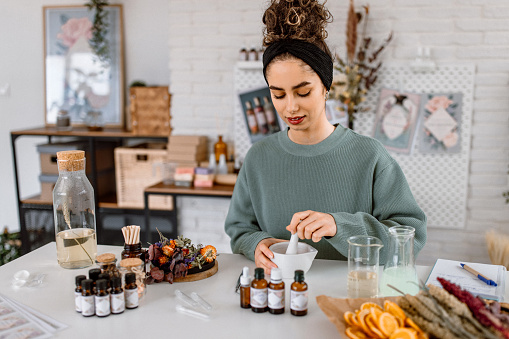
(94, 273)
(104, 276)
(259, 273)
(130, 278)
(276, 274)
(116, 282)
(102, 284)
(87, 284)
(299, 275)
(79, 279)
(244, 278)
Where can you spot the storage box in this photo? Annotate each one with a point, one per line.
(150, 110)
(48, 155)
(186, 149)
(135, 170)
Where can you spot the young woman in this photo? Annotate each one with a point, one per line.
(323, 181)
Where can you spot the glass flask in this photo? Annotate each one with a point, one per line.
(74, 212)
(399, 270)
(363, 261)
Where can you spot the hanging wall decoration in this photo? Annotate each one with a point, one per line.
(396, 120)
(440, 129)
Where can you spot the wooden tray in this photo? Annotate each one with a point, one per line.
(199, 276)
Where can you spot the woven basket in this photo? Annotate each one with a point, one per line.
(134, 172)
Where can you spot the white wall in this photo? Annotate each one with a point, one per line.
(21, 65)
(205, 37)
(199, 40)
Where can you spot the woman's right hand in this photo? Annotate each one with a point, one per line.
(263, 254)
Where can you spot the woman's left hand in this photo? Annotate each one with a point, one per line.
(312, 225)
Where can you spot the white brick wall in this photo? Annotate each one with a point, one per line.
(204, 39)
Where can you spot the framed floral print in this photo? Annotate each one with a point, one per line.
(396, 120)
(440, 130)
(81, 77)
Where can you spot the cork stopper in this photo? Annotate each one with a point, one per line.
(71, 161)
(130, 262)
(105, 257)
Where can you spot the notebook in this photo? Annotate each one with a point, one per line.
(452, 271)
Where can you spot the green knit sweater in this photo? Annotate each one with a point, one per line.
(349, 176)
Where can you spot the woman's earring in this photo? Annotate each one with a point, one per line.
(326, 95)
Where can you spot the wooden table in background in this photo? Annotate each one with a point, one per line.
(216, 191)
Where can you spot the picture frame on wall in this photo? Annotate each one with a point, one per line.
(259, 113)
(396, 120)
(79, 77)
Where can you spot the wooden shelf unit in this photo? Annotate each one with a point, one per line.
(104, 203)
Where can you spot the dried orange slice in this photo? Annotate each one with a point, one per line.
(372, 324)
(351, 318)
(387, 323)
(376, 312)
(404, 333)
(355, 333)
(369, 304)
(394, 309)
(410, 323)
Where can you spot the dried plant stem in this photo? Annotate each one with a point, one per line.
(67, 218)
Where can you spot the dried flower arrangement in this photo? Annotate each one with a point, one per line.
(175, 258)
(359, 70)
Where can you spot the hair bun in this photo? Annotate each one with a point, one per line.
(296, 19)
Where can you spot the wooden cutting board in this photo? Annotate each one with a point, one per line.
(199, 276)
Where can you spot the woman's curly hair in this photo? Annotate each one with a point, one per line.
(296, 19)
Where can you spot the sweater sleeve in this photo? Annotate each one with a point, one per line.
(393, 204)
(241, 223)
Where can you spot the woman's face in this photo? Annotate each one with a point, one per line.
(298, 94)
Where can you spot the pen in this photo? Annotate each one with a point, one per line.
(479, 275)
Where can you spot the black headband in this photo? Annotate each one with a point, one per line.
(311, 54)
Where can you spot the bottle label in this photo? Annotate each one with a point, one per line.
(131, 298)
(77, 301)
(87, 305)
(258, 297)
(299, 300)
(260, 116)
(276, 299)
(102, 305)
(117, 302)
(251, 120)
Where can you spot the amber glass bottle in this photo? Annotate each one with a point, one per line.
(245, 289)
(299, 295)
(220, 147)
(87, 298)
(259, 291)
(276, 294)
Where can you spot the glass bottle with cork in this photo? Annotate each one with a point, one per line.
(74, 212)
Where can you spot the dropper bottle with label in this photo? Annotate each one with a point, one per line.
(259, 292)
(299, 295)
(276, 294)
(245, 289)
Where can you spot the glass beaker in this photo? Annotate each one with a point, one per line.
(74, 212)
(363, 260)
(399, 270)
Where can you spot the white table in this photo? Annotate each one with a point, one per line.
(156, 314)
